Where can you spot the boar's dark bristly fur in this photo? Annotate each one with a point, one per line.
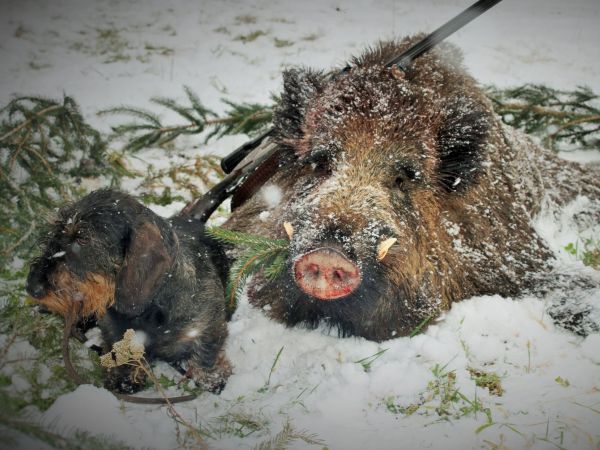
(420, 157)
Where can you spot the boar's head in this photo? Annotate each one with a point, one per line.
(376, 154)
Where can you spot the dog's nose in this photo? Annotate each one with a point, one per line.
(35, 289)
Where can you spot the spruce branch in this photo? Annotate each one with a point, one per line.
(28, 122)
(249, 263)
(268, 255)
(196, 177)
(247, 118)
(45, 147)
(286, 436)
(562, 119)
(147, 129)
(245, 239)
(38, 431)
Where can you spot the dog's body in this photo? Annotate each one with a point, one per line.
(111, 258)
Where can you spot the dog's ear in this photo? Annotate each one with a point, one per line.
(147, 261)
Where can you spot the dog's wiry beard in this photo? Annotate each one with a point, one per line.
(72, 296)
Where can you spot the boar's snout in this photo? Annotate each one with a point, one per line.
(327, 274)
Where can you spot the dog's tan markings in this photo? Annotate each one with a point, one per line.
(71, 295)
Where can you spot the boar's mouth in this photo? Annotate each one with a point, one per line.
(326, 274)
(353, 311)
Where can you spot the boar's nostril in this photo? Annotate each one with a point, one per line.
(326, 274)
(338, 275)
(313, 269)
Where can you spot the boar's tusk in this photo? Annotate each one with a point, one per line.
(289, 229)
(383, 248)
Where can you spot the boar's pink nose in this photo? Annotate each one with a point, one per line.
(326, 274)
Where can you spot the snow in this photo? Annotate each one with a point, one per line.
(551, 377)
(271, 195)
(106, 415)
(558, 232)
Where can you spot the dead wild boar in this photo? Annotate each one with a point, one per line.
(404, 192)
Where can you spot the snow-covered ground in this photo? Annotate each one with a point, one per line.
(106, 52)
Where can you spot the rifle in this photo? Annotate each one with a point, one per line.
(242, 162)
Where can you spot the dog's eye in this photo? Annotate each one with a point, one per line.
(319, 160)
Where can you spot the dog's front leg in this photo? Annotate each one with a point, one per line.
(206, 363)
(127, 378)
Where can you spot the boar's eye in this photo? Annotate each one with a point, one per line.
(321, 168)
(405, 175)
(320, 164)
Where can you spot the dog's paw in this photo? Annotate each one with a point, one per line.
(212, 380)
(124, 380)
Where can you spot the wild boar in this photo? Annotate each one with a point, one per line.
(403, 192)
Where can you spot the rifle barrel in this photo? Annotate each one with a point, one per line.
(404, 60)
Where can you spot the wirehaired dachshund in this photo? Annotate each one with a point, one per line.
(109, 258)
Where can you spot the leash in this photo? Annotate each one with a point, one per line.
(70, 321)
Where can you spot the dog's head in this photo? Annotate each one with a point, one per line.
(104, 250)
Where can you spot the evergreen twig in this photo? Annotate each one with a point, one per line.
(559, 117)
(195, 177)
(268, 255)
(45, 146)
(562, 119)
(77, 441)
(147, 129)
(286, 436)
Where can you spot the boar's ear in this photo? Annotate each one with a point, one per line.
(299, 86)
(461, 142)
(145, 265)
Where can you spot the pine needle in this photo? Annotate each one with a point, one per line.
(268, 255)
(273, 366)
(563, 120)
(46, 146)
(246, 239)
(147, 129)
(420, 326)
(286, 436)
